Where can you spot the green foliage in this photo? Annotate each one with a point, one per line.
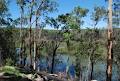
(69, 21)
(98, 14)
(3, 7)
(80, 12)
(53, 22)
(4, 12)
(9, 62)
(73, 20)
(116, 47)
(67, 36)
(21, 2)
(7, 43)
(10, 70)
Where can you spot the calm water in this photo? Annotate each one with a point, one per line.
(66, 62)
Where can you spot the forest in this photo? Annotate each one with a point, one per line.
(41, 42)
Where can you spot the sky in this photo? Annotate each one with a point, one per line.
(66, 6)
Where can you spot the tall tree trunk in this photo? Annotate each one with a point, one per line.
(35, 41)
(21, 25)
(24, 49)
(92, 63)
(53, 60)
(30, 20)
(34, 63)
(80, 74)
(92, 70)
(30, 43)
(56, 43)
(110, 48)
(89, 69)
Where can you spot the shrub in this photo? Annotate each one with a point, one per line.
(9, 62)
(10, 70)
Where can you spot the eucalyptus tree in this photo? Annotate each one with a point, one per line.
(42, 8)
(93, 45)
(113, 21)
(98, 15)
(79, 14)
(55, 39)
(21, 4)
(110, 44)
(30, 30)
(72, 23)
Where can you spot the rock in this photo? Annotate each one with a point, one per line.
(29, 76)
(39, 79)
(1, 74)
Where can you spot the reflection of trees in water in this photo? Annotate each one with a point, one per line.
(61, 66)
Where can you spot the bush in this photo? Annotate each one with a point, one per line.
(10, 70)
(9, 62)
